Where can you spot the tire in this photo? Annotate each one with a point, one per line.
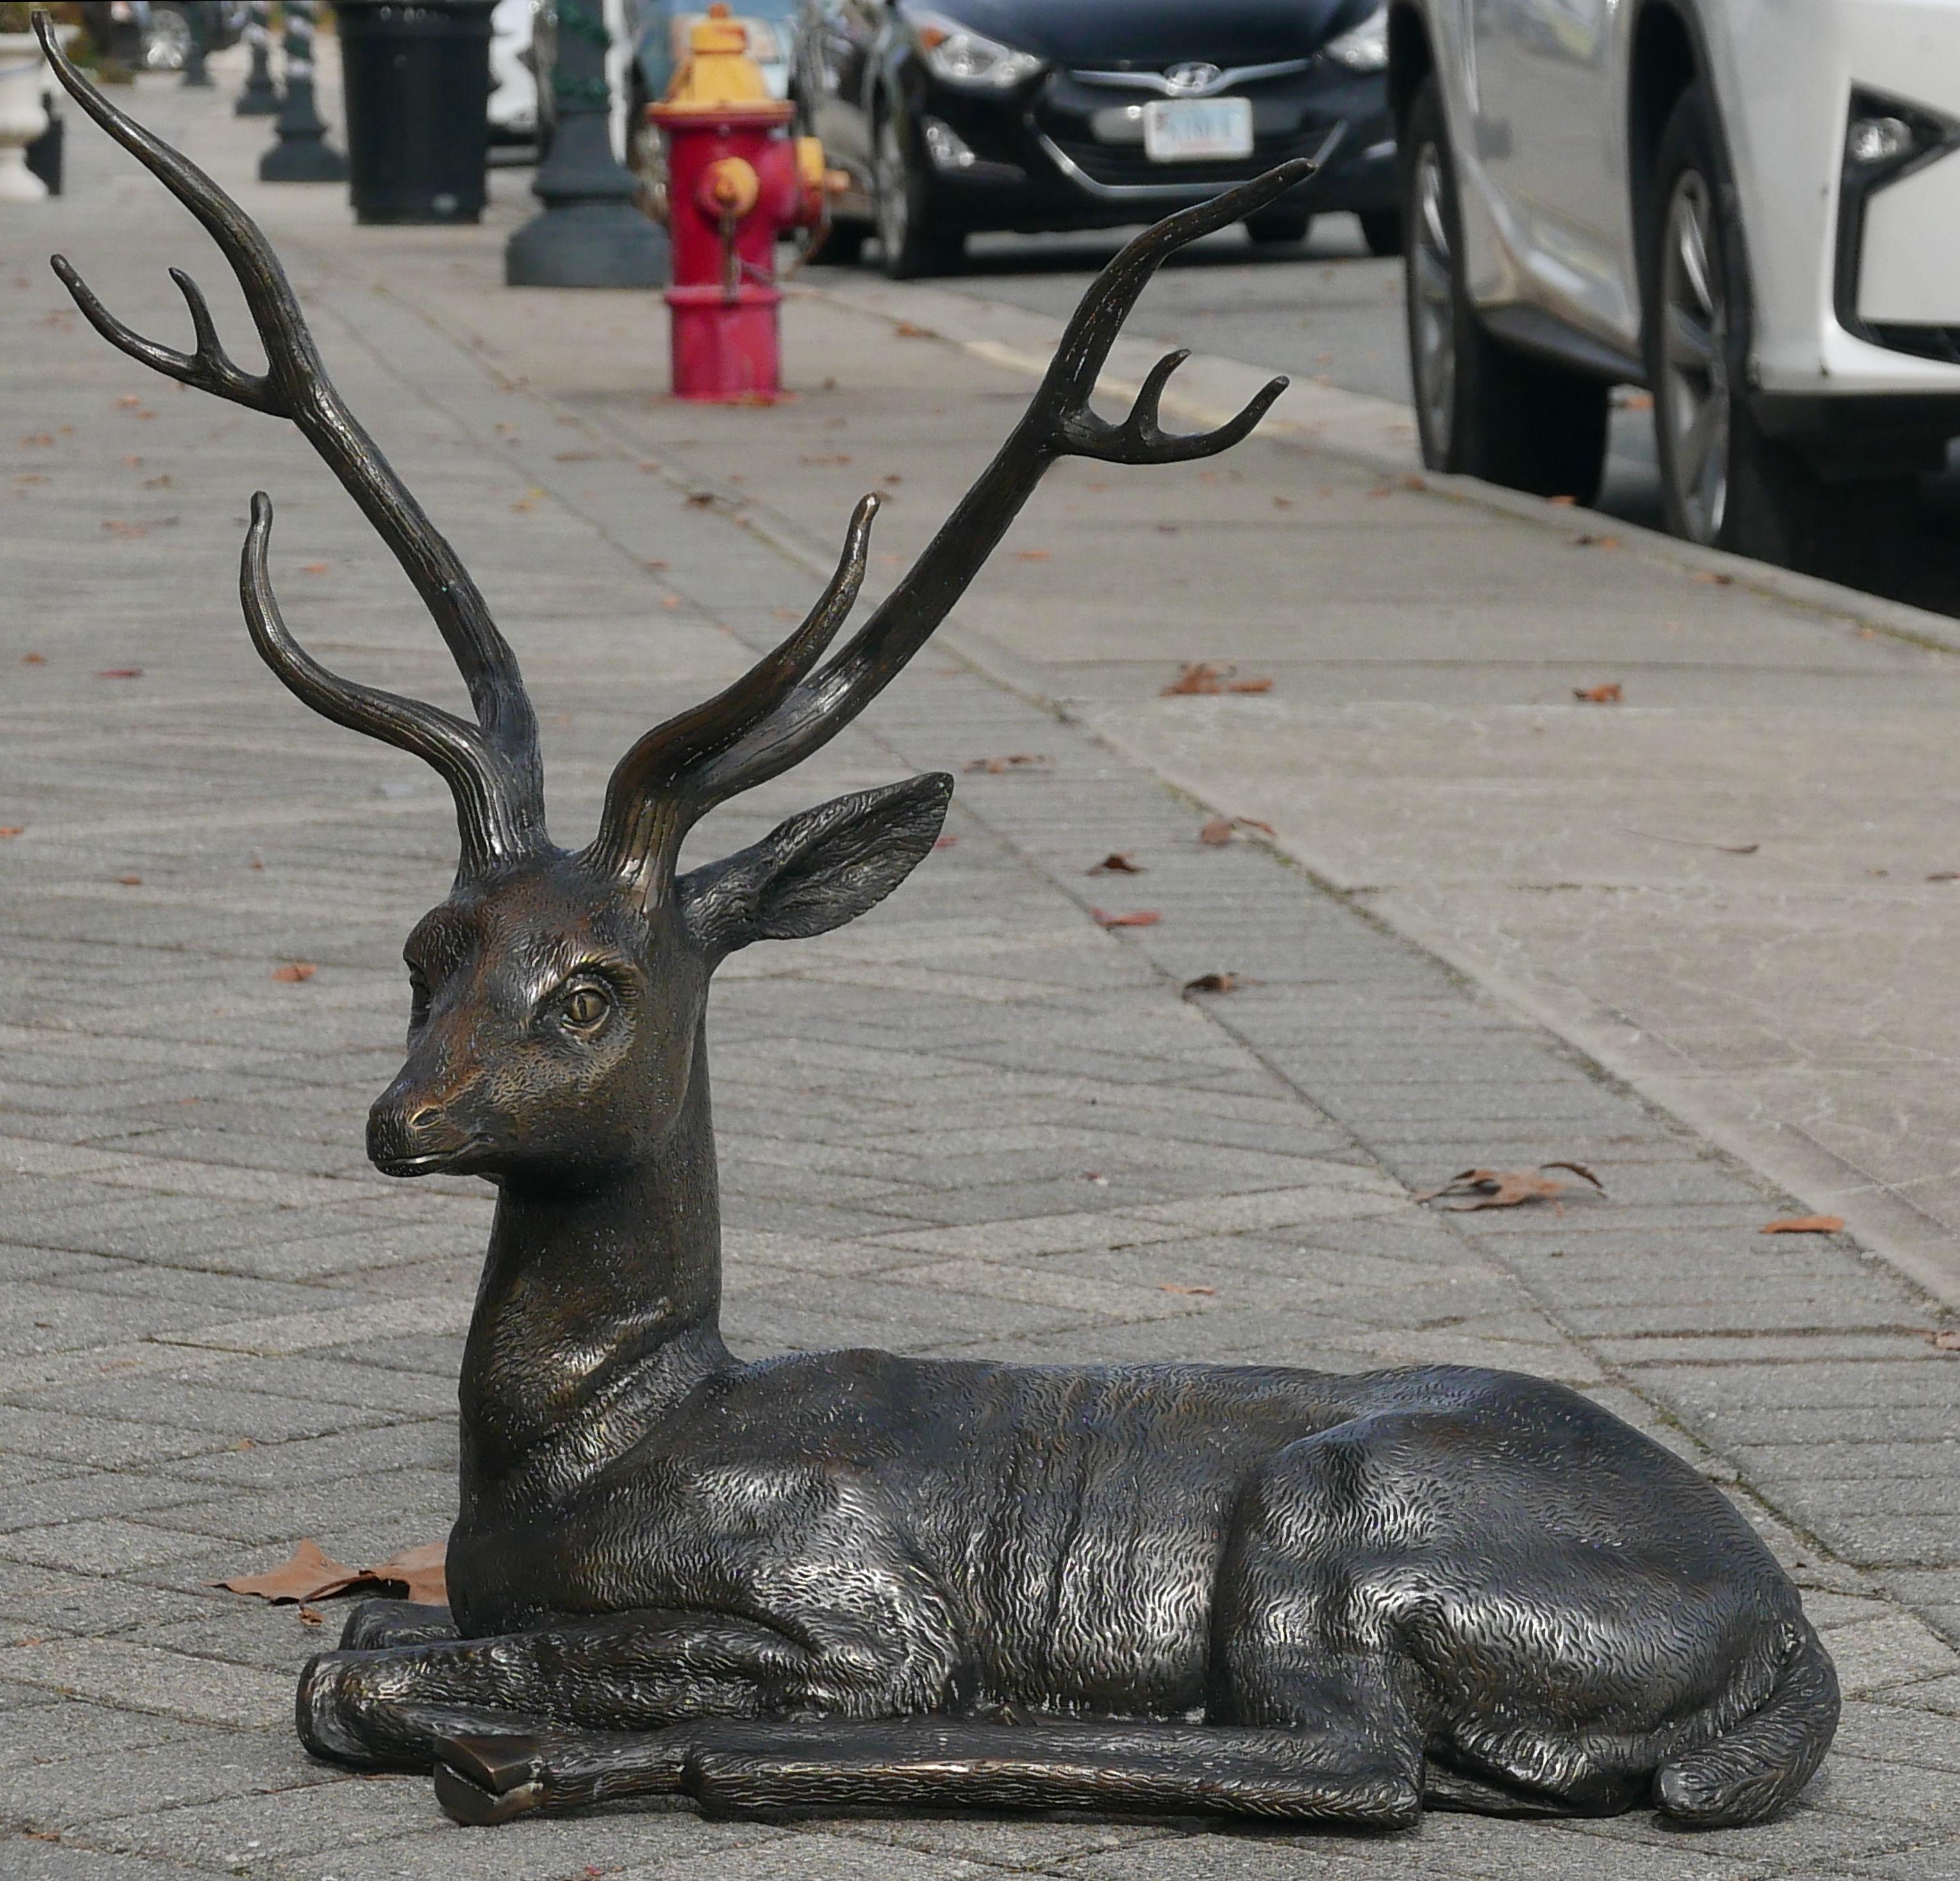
(166, 46)
(1382, 229)
(1724, 482)
(909, 245)
(843, 246)
(1482, 408)
(1279, 227)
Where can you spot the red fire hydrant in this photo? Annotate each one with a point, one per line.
(736, 179)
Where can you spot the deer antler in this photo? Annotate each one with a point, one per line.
(492, 766)
(781, 710)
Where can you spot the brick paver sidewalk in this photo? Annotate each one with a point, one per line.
(975, 1122)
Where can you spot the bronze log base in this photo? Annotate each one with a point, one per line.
(852, 1578)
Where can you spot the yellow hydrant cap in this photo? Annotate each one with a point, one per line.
(719, 70)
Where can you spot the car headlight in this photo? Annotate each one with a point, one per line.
(961, 56)
(1362, 48)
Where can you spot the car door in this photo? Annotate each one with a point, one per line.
(839, 37)
(1548, 134)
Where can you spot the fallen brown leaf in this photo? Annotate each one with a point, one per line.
(1563, 502)
(311, 1573)
(312, 1616)
(701, 499)
(825, 456)
(1253, 823)
(1508, 1188)
(1804, 1224)
(1713, 577)
(945, 842)
(1136, 918)
(1212, 983)
(577, 457)
(13, 829)
(129, 402)
(1035, 555)
(1947, 1339)
(295, 973)
(39, 441)
(1215, 831)
(1118, 862)
(905, 330)
(33, 659)
(1606, 695)
(418, 1569)
(1946, 875)
(1595, 542)
(314, 568)
(1013, 761)
(120, 673)
(129, 881)
(1171, 1286)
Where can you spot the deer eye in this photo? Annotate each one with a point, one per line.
(418, 999)
(584, 1006)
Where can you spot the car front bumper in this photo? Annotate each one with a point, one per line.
(1071, 155)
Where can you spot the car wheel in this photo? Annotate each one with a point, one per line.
(1482, 408)
(1382, 229)
(1279, 227)
(909, 245)
(1724, 482)
(843, 245)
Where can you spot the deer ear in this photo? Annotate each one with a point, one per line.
(819, 870)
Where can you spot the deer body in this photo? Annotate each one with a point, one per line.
(848, 1578)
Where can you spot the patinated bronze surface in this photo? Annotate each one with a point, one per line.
(851, 1578)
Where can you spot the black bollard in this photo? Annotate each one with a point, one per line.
(302, 154)
(260, 96)
(588, 234)
(196, 73)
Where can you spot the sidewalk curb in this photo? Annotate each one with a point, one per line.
(1376, 432)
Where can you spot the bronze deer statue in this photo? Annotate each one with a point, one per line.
(853, 1578)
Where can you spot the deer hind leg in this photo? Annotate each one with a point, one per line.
(732, 1767)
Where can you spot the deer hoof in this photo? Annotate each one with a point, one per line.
(483, 1781)
(322, 1727)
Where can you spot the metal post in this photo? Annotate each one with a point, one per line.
(196, 73)
(588, 234)
(302, 154)
(260, 96)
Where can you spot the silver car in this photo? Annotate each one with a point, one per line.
(1748, 206)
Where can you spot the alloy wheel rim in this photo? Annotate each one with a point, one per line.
(1695, 401)
(894, 205)
(1432, 303)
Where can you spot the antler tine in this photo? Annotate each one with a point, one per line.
(453, 746)
(680, 771)
(295, 386)
(646, 817)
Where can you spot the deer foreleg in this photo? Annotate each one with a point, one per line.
(625, 1672)
(736, 1768)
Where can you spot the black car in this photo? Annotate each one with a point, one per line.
(965, 115)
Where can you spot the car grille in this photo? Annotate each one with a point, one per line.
(1125, 166)
(1926, 343)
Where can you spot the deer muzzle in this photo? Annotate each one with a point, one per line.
(408, 1136)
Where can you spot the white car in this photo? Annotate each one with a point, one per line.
(1752, 207)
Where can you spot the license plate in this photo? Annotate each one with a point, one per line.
(1184, 130)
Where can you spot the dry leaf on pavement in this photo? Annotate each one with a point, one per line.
(1947, 1339)
(1804, 1224)
(420, 1570)
(1215, 831)
(294, 972)
(1170, 1286)
(1013, 761)
(13, 829)
(311, 1574)
(1203, 676)
(1606, 695)
(1136, 918)
(120, 673)
(1213, 983)
(1118, 862)
(1509, 1188)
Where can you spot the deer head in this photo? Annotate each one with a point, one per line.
(557, 995)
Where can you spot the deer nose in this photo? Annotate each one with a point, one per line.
(400, 1130)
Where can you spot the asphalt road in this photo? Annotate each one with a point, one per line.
(1330, 310)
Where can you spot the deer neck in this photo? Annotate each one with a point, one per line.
(599, 1306)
